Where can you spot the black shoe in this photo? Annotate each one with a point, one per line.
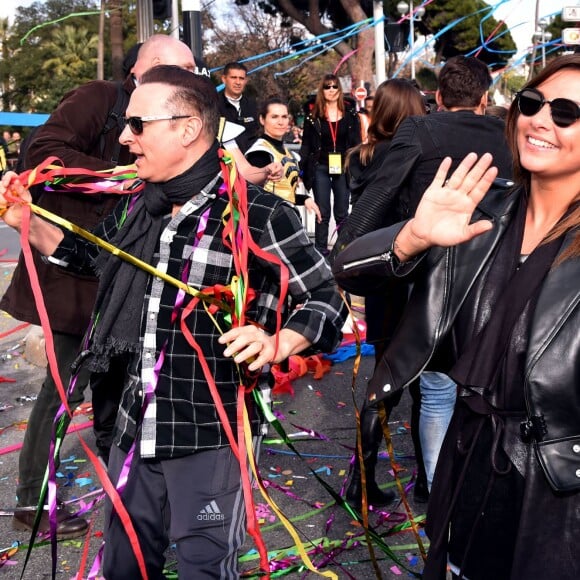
(375, 496)
(68, 526)
(420, 490)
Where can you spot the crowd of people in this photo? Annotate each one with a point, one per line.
(460, 228)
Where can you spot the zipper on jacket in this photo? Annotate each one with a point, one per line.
(384, 257)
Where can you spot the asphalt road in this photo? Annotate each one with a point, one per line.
(322, 410)
(9, 243)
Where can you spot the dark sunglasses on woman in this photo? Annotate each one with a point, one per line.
(564, 112)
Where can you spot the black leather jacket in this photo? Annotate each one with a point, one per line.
(442, 279)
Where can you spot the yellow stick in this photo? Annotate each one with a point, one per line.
(125, 256)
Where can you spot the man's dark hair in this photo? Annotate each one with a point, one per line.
(463, 80)
(234, 66)
(194, 94)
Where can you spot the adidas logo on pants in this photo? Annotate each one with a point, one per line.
(211, 512)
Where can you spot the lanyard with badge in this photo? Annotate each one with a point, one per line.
(334, 158)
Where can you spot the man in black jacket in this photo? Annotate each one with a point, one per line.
(421, 143)
(237, 107)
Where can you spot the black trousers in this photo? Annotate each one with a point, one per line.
(106, 394)
(195, 500)
(33, 458)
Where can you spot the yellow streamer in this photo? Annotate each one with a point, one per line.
(125, 256)
(285, 521)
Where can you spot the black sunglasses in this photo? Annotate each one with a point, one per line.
(328, 87)
(564, 112)
(136, 123)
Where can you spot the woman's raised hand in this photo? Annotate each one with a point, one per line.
(444, 214)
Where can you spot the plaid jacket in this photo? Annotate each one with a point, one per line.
(181, 416)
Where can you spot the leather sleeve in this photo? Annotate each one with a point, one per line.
(553, 381)
(366, 265)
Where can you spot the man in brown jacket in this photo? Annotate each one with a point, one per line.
(74, 134)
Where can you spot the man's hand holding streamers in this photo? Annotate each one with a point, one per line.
(12, 196)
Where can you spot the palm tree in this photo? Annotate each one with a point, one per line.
(116, 24)
(72, 53)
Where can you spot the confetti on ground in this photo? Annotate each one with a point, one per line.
(26, 398)
(83, 481)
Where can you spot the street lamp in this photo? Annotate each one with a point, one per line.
(543, 36)
(414, 15)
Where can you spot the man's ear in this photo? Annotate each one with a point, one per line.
(484, 101)
(193, 129)
(438, 99)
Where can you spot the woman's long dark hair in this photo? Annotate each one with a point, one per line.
(395, 100)
(521, 174)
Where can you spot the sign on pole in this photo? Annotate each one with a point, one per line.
(571, 35)
(571, 14)
(360, 93)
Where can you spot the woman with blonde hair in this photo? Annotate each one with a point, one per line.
(330, 130)
(496, 277)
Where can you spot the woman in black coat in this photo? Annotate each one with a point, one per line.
(497, 274)
(394, 101)
(330, 130)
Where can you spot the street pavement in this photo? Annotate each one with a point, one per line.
(320, 417)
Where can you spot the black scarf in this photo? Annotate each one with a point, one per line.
(122, 286)
(478, 366)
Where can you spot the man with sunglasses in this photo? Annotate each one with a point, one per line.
(418, 147)
(75, 134)
(175, 459)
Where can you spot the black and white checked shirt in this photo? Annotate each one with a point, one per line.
(181, 416)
